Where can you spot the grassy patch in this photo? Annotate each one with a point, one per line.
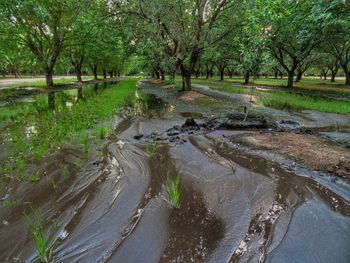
(285, 100)
(43, 244)
(173, 189)
(42, 83)
(289, 101)
(152, 149)
(32, 135)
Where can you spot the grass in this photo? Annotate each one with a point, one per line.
(49, 129)
(102, 132)
(43, 244)
(42, 83)
(286, 100)
(9, 203)
(173, 189)
(152, 148)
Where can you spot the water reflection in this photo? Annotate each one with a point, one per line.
(55, 99)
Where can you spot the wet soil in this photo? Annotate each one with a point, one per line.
(250, 193)
(303, 148)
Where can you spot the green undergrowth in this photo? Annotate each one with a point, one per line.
(32, 136)
(42, 83)
(289, 101)
(173, 189)
(285, 100)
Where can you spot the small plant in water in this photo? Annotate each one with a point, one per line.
(173, 189)
(102, 132)
(9, 203)
(37, 226)
(34, 177)
(152, 149)
(84, 140)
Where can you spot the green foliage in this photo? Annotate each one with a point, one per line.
(34, 177)
(9, 203)
(38, 228)
(173, 189)
(53, 128)
(102, 132)
(152, 149)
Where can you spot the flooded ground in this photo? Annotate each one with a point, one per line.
(240, 201)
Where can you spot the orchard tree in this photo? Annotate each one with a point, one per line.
(43, 26)
(293, 29)
(186, 28)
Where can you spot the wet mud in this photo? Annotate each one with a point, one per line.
(237, 204)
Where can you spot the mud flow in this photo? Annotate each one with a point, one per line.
(238, 203)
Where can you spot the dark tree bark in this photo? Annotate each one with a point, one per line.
(347, 77)
(94, 70)
(186, 81)
(299, 76)
(246, 77)
(104, 73)
(49, 79)
(222, 73)
(290, 79)
(111, 74)
(156, 72)
(162, 74)
(276, 74)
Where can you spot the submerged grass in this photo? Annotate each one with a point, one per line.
(289, 101)
(43, 244)
(31, 136)
(152, 149)
(173, 189)
(285, 100)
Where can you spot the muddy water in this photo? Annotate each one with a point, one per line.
(236, 205)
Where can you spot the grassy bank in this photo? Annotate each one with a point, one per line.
(314, 85)
(286, 100)
(42, 83)
(29, 137)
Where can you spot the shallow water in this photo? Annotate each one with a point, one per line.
(236, 205)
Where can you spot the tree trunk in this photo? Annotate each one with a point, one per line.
(347, 74)
(3, 73)
(290, 79)
(222, 74)
(78, 74)
(186, 82)
(162, 74)
(94, 71)
(207, 73)
(299, 76)
(157, 74)
(104, 73)
(276, 74)
(48, 76)
(111, 74)
(324, 76)
(246, 77)
(347, 78)
(333, 75)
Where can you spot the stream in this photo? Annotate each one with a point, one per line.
(237, 205)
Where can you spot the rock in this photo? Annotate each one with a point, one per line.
(190, 124)
(288, 125)
(138, 136)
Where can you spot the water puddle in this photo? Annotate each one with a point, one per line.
(235, 206)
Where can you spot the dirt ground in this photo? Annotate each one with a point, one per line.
(190, 96)
(306, 149)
